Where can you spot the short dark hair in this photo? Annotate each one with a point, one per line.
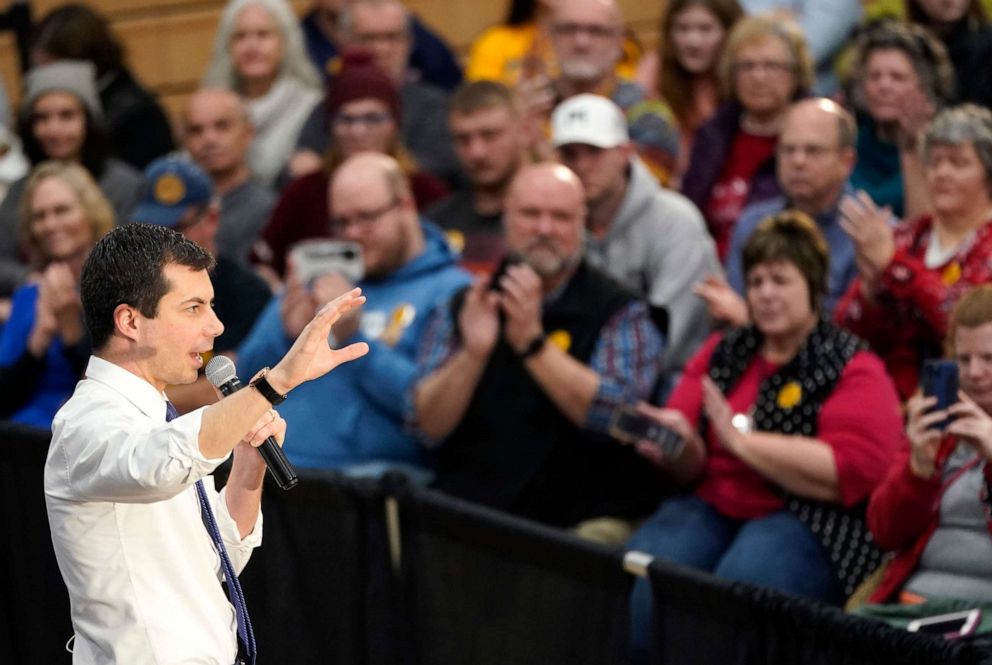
(76, 32)
(791, 236)
(127, 267)
(478, 95)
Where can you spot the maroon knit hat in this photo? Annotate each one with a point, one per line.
(360, 78)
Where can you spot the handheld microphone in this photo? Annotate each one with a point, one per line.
(223, 375)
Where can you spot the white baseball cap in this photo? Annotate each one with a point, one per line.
(589, 119)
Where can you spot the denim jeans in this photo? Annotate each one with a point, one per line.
(776, 551)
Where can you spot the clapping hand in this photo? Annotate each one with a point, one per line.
(916, 111)
(64, 300)
(521, 300)
(868, 226)
(723, 302)
(720, 415)
(58, 310)
(478, 320)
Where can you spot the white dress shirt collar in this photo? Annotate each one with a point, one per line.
(131, 386)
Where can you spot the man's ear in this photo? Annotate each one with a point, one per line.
(127, 321)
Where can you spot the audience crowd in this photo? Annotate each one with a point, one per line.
(752, 238)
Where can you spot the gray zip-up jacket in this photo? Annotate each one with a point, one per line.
(658, 246)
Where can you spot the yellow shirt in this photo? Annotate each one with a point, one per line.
(500, 54)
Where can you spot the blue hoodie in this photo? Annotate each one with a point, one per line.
(352, 418)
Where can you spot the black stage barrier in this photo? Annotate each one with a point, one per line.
(488, 589)
(34, 605)
(379, 573)
(319, 590)
(703, 619)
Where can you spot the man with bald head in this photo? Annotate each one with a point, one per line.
(816, 154)
(522, 373)
(409, 271)
(217, 133)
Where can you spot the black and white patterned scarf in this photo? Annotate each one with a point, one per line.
(789, 402)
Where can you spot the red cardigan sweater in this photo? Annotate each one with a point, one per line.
(903, 514)
(907, 320)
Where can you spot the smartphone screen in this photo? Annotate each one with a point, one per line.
(313, 258)
(954, 624)
(940, 380)
(629, 425)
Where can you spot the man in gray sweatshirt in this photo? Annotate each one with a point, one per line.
(651, 239)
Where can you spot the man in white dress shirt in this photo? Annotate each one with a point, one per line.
(142, 570)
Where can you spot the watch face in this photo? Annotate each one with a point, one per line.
(742, 423)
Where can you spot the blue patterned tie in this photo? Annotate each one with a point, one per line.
(245, 631)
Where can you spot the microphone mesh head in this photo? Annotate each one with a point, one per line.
(220, 370)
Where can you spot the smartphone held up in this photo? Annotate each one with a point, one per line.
(313, 258)
(940, 380)
(628, 425)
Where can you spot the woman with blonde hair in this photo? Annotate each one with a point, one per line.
(764, 67)
(259, 53)
(43, 346)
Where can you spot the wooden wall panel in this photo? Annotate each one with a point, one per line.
(169, 41)
(9, 72)
(170, 52)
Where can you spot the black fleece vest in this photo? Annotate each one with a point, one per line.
(515, 451)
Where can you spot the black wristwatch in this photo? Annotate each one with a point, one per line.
(534, 347)
(262, 385)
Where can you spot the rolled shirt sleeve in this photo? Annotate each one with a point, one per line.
(238, 549)
(628, 358)
(128, 462)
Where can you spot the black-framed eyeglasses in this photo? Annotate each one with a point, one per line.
(362, 219)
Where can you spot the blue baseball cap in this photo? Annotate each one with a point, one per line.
(171, 186)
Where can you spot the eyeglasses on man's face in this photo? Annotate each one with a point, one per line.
(362, 220)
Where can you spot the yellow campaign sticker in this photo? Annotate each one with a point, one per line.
(456, 240)
(561, 339)
(399, 320)
(169, 189)
(789, 395)
(951, 274)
